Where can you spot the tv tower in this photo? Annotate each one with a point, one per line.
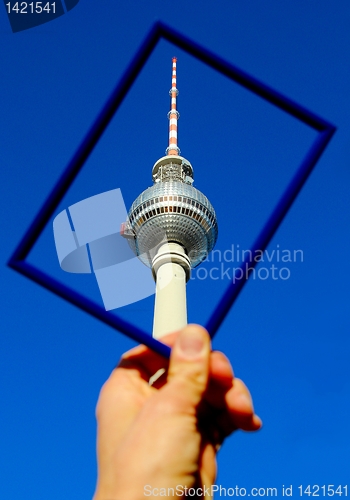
(171, 227)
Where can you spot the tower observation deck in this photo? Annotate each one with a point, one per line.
(171, 227)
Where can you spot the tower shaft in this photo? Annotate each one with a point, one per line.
(171, 267)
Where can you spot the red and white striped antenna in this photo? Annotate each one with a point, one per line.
(173, 115)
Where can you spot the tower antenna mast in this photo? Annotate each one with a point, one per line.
(173, 115)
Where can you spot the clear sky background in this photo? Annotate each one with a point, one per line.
(288, 339)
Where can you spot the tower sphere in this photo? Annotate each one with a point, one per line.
(172, 210)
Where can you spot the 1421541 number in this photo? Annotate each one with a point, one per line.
(31, 7)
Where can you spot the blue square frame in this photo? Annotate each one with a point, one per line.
(159, 30)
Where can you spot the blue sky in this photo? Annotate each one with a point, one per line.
(287, 338)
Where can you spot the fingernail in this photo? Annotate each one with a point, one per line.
(191, 343)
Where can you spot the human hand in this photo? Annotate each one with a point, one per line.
(167, 435)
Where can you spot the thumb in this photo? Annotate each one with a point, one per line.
(189, 366)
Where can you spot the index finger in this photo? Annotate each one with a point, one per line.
(146, 361)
